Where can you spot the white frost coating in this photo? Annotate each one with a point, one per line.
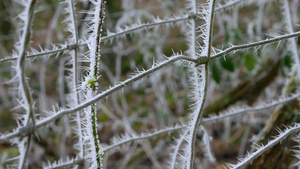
(175, 161)
(198, 76)
(206, 30)
(190, 32)
(24, 95)
(56, 114)
(62, 163)
(191, 6)
(197, 81)
(229, 4)
(191, 29)
(89, 138)
(71, 79)
(261, 149)
(297, 152)
(89, 87)
(20, 48)
(138, 27)
(244, 109)
(123, 139)
(92, 42)
(91, 82)
(207, 139)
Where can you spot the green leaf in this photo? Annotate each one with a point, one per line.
(250, 62)
(226, 63)
(236, 35)
(215, 73)
(227, 36)
(288, 61)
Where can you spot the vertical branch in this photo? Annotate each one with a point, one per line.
(26, 97)
(90, 84)
(210, 26)
(200, 89)
(184, 161)
(176, 148)
(96, 72)
(75, 77)
(25, 91)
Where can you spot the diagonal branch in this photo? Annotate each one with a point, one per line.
(235, 48)
(249, 109)
(145, 136)
(261, 149)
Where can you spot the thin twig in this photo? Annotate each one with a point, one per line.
(244, 110)
(254, 44)
(145, 136)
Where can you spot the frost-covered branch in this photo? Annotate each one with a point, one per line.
(90, 85)
(98, 97)
(73, 78)
(231, 3)
(80, 87)
(64, 163)
(176, 149)
(43, 53)
(146, 25)
(201, 81)
(262, 148)
(214, 119)
(235, 48)
(128, 139)
(24, 90)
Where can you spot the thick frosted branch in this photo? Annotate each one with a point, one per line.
(25, 97)
(261, 149)
(198, 116)
(179, 142)
(95, 153)
(74, 80)
(197, 119)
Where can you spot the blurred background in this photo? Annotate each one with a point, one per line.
(244, 78)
